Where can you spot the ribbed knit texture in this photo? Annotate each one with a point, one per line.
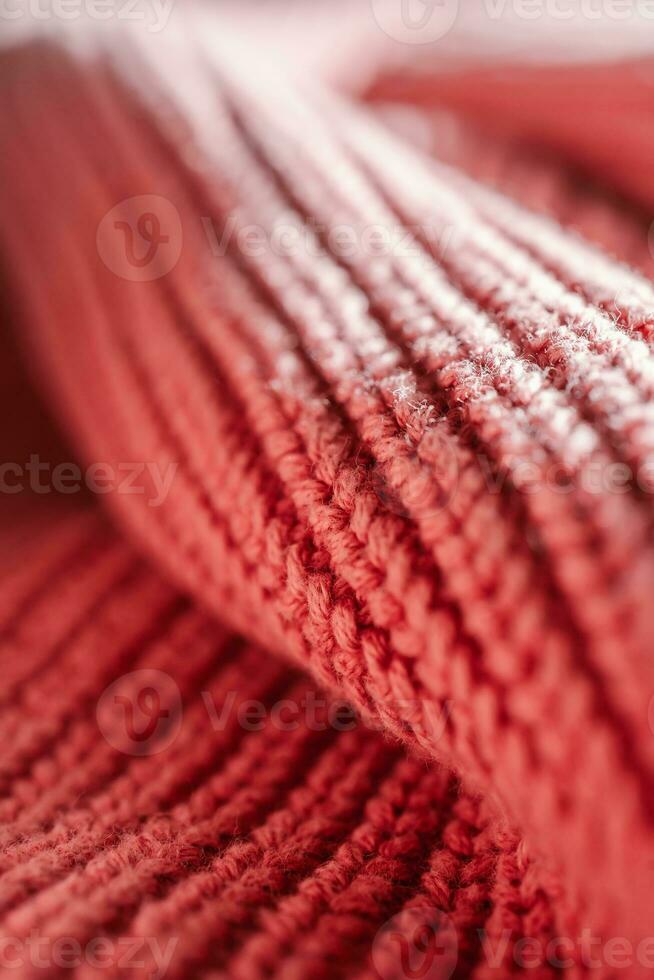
(383, 476)
(254, 852)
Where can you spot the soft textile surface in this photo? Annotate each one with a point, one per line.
(271, 846)
(381, 377)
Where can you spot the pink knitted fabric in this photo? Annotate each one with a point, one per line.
(408, 431)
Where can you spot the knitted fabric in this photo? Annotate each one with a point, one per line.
(277, 848)
(534, 177)
(420, 475)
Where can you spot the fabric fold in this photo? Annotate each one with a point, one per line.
(389, 426)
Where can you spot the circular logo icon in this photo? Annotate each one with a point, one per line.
(140, 239)
(140, 713)
(415, 21)
(416, 944)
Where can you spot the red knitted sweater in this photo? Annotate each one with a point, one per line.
(346, 668)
